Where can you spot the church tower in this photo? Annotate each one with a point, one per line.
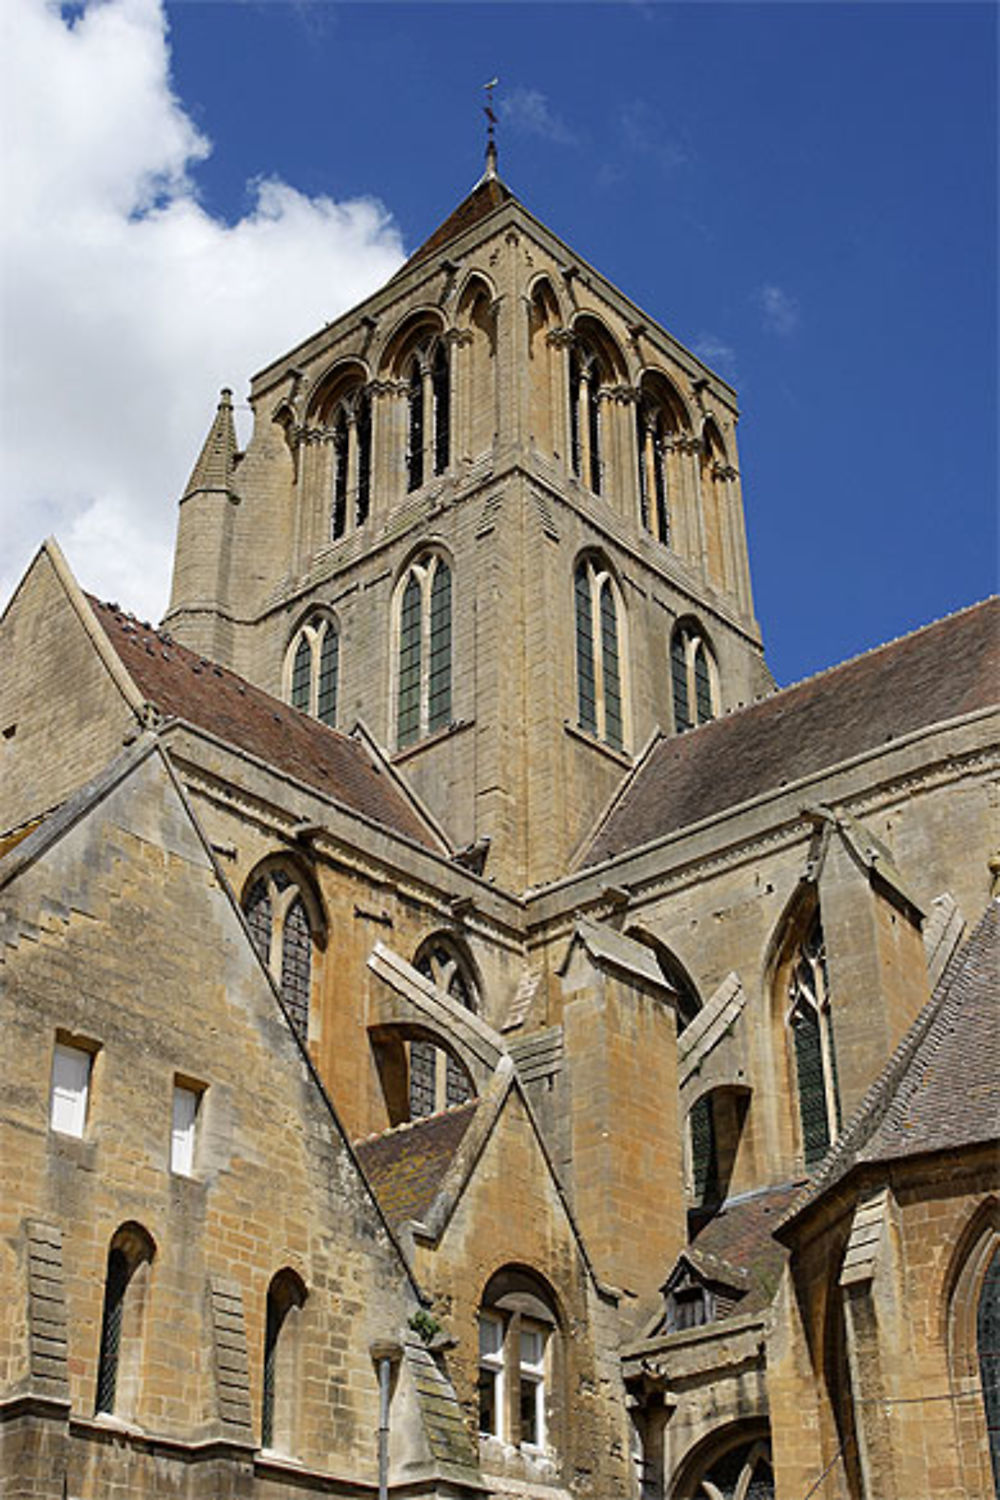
(494, 514)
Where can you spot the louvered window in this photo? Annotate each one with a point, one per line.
(600, 708)
(988, 1346)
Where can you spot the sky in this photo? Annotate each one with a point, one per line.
(804, 193)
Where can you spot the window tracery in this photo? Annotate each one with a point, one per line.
(811, 1026)
(280, 930)
(313, 667)
(743, 1473)
(693, 676)
(437, 1080)
(424, 643)
(428, 399)
(600, 707)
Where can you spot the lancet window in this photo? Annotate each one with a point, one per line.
(811, 1027)
(693, 676)
(278, 917)
(286, 1297)
(351, 426)
(424, 641)
(436, 1079)
(428, 400)
(312, 668)
(600, 706)
(585, 380)
(119, 1362)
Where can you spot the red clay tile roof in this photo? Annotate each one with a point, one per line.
(947, 669)
(740, 1236)
(487, 195)
(406, 1166)
(940, 1090)
(185, 686)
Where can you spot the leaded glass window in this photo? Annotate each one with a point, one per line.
(600, 709)
(115, 1284)
(704, 1152)
(438, 1080)
(815, 1056)
(988, 1349)
(282, 936)
(314, 657)
(692, 677)
(423, 690)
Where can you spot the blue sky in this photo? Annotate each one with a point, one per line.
(803, 193)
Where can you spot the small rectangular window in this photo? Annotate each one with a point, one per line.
(187, 1101)
(70, 1088)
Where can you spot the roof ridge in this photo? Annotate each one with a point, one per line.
(404, 1125)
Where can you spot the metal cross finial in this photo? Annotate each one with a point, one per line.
(491, 125)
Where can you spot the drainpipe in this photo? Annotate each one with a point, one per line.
(384, 1355)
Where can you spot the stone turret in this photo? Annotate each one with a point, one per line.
(199, 596)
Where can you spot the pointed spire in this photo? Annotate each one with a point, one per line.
(214, 467)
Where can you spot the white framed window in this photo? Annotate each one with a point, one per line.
(531, 1375)
(183, 1128)
(491, 1382)
(70, 1095)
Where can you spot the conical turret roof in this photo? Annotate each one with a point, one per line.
(213, 469)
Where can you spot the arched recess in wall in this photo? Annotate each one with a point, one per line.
(803, 1020)
(311, 673)
(522, 1364)
(436, 1078)
(970, 1329)
(733, 1463)
(688, 1002)
(474, 369)
(339, 419)
(281, 1373)
(545, 363)
(288, 930)
(715, 474)
(597, 370)
(418, 363)
(663, 441)
(716, 1123)
(601, 651)
(124, 1320)
(694, 675)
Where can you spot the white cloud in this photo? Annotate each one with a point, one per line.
(125, 304)
(719, 356)
(528, 111)
(644, 133)
(780, 311)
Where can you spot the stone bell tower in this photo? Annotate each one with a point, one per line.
(494, 513)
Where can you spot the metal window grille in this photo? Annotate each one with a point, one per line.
(272, 1329)
(259, 919)
(439, 665)
(115, 1284)
(302, 674)
(326, 693)
(609, 661)
(296, 966)
(408, 720)
(988, 1345)
(586, 692)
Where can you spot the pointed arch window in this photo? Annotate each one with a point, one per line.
(693, 676)
(281, 931)
(286, 1298)
(988, 1350)
(436, 1079)
(423, 690)
(600, 708)
(313, 667)
(428, 400)
(811, 1027)
(119, 1365)
(653, 436)
(586, 428)
(350, 428)
(744, 1473)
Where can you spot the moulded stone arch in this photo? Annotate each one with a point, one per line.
(751, 1434)
(591, 330)
(657, 384)
(457, 948)
(474, 346)
(312, 626)
(420, 323)
(392, 1042)
(694, 671)
(543, 286)
(676, 973)
(338, 381)
(601, 635)
(959, 1307)
(303, 878)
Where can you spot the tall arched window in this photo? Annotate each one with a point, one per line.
(423, 688)
(660, 420)
(585, 381)
(428, 398)
(600, 709)
(278, 915)
(693, 676)
(340, 423)
(436, 1079)
(312, 668)
(811, 1029)
(286, 1297)
(119, 1365)
(988, 1350)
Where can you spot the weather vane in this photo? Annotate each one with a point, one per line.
(491, 128)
